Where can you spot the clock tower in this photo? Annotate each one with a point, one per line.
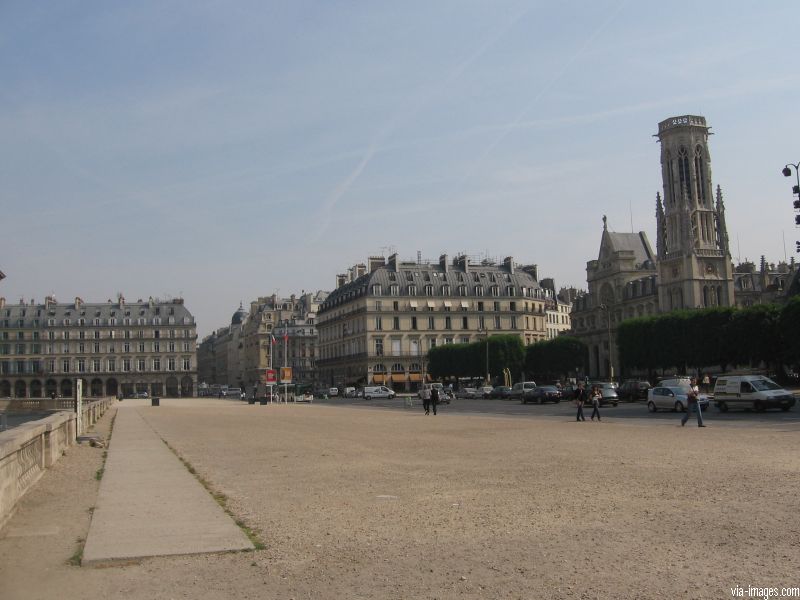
(694, 260)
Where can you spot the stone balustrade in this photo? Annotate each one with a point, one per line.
(27, 450)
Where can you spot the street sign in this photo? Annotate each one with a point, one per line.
(286, 374)
(271, 376)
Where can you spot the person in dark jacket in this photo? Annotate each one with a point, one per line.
(596, 397)
(580, 399)
(434, 399)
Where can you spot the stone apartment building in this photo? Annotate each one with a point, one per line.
(275, 332)
(379, 323)
(114, 347)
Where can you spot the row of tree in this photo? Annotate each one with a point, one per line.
(682, 340)
(548, 360)
(694, 339)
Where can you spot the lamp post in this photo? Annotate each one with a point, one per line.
(607, 309)
(787, 172)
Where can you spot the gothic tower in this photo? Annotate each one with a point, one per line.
(694, 262)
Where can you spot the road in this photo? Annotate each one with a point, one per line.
(633, 412)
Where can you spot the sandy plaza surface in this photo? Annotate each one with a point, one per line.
(388, 503)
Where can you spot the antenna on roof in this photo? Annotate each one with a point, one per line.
(630, 208)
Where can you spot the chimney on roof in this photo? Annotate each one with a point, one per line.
(341, 279)
(393, 262)
(78, 302)
(2, 302)
(376, 262)
(463, 262)
(443, 262)
(508, 263)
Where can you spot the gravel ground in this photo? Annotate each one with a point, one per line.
(355, 503)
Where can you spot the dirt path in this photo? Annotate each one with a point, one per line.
(392, 504)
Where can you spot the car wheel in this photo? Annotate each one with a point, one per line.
(557, 400)
(368, 397)
(679, 406)
(651, 406)
(785, 408)
(540, 399)
(523, 401)
(723, 406)
(758, 406)
(615, 403)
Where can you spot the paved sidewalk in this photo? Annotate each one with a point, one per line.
(149, 504)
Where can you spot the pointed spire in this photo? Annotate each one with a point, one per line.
(605, 223)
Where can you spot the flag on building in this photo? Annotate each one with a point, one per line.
(272, 338)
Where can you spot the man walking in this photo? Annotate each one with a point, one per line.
(580, 399)
(692, 401)
(434, 399)
(426, 399)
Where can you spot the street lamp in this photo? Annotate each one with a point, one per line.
(607, 308)
(787, 172)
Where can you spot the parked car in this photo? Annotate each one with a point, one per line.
(501, 392)
(633, 390)
(485, 391)
(518, 390)
(608, 391)
(378, 391)
(672, 397)
(467, 392)
(141, 395)
(541, 394)
(751, 391)
(232, 392)
(333, 392)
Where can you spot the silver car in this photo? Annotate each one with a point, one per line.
(672, 397)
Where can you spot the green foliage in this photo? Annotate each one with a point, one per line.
(552, 359)
(789, 328)
(695, 339)
(469, 360)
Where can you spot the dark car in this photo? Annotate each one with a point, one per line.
(633, 390)
(541, 394)
(501, 392)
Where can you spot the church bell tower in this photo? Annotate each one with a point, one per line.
(694, 260)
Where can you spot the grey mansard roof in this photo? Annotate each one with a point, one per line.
(103, 311)
(422, 274)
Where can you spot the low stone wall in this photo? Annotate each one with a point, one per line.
(26, 451)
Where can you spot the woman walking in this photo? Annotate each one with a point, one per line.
(596, 397)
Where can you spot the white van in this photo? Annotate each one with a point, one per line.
(751, 391)
(377, 391)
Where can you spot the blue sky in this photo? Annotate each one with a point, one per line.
(224, 150)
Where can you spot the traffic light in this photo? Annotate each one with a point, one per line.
(796, 189)
(797, 204)
(798, 247)
(797, 220)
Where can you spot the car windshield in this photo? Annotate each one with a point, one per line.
(763, 385)
(549, 388)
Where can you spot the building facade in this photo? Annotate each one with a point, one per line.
(275, 332)
(116, 348)
(692, 266)
(377, 327)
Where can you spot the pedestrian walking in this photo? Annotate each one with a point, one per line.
(596, 397)
(580, 399)
(434, 399)
(426, 399)
(692, 400)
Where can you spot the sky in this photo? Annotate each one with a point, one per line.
(220, 151)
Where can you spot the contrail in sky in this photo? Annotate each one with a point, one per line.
(391, 125)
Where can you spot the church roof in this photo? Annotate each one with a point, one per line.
(631, 242)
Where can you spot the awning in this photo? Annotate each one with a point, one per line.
(398, 377)
(431, 304)
(448, 303)
(413, 304)
(415, 377)
(378, 378)
(464, 304)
